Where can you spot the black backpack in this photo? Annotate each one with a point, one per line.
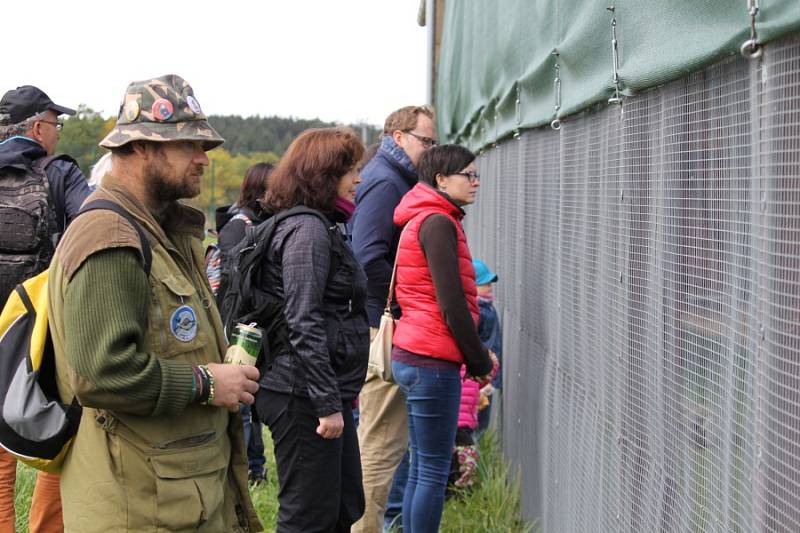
(244, 300)
(28, 226)
(218, 262)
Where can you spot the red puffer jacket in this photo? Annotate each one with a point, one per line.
(421, 329)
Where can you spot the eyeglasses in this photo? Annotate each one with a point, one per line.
(426, 141)
(57, 124)
(471, 176)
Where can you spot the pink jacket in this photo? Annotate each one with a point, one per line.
(468, 411)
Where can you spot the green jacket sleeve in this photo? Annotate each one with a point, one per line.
(105, 313)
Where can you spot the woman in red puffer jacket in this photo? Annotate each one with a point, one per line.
(437, 332)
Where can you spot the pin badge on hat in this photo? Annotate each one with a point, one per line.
(194, 105)
(131, 110)
(162, 109)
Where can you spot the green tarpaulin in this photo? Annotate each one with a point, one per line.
(496, 53)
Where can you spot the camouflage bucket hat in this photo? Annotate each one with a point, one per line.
(161, 109)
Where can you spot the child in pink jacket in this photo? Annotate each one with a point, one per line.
(465, 453)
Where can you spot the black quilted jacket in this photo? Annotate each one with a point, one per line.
(319, 345)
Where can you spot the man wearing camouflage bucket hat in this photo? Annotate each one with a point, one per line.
(160, 110)
(160, 444)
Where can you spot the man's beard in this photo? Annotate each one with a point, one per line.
(158, 174)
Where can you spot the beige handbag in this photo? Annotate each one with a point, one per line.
(380, 347)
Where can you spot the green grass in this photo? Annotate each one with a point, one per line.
(208, 240)
(26, 478)
(492, 505)
(265, 495)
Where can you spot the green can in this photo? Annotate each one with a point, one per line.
(245, 345)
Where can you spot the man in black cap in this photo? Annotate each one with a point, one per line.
(40, 193)
(29, 130)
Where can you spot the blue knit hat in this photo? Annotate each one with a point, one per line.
(483, 275)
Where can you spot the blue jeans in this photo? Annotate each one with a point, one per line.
(433, 396)
(254, 442)
(393, 517)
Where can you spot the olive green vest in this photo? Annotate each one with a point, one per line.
(126, 472)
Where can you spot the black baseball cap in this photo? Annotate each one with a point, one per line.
(25, 102)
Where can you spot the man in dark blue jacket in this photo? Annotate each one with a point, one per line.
(383, 423)
(38, 214)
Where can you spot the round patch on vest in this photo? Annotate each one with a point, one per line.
(162, 109)
(183, 323)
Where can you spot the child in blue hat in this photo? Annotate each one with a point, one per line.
(490, 334)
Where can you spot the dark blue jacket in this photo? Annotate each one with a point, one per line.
(384, 181)
(491, 335)
(68, 186)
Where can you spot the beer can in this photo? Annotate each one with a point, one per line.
(245, 345)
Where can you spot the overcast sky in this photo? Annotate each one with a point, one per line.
(339, 60)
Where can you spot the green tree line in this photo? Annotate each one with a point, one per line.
(248, 140)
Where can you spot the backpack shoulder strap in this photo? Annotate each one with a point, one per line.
(303, 210)
(42, 163)
(333, 232)
(40, 167)
(25, 299)
(258, 237)
(147, 252)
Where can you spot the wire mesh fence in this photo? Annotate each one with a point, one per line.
(649, 262)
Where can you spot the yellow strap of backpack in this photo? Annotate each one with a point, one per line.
(35, 289)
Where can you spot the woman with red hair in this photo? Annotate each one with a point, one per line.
(317, 343)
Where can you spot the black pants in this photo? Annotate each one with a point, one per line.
(320, 479)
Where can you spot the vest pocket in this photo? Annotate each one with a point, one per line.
(189, 487)
(176, 313)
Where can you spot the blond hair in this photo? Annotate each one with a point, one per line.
(405, 118)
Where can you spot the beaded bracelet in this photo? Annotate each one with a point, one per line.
(210, 397)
